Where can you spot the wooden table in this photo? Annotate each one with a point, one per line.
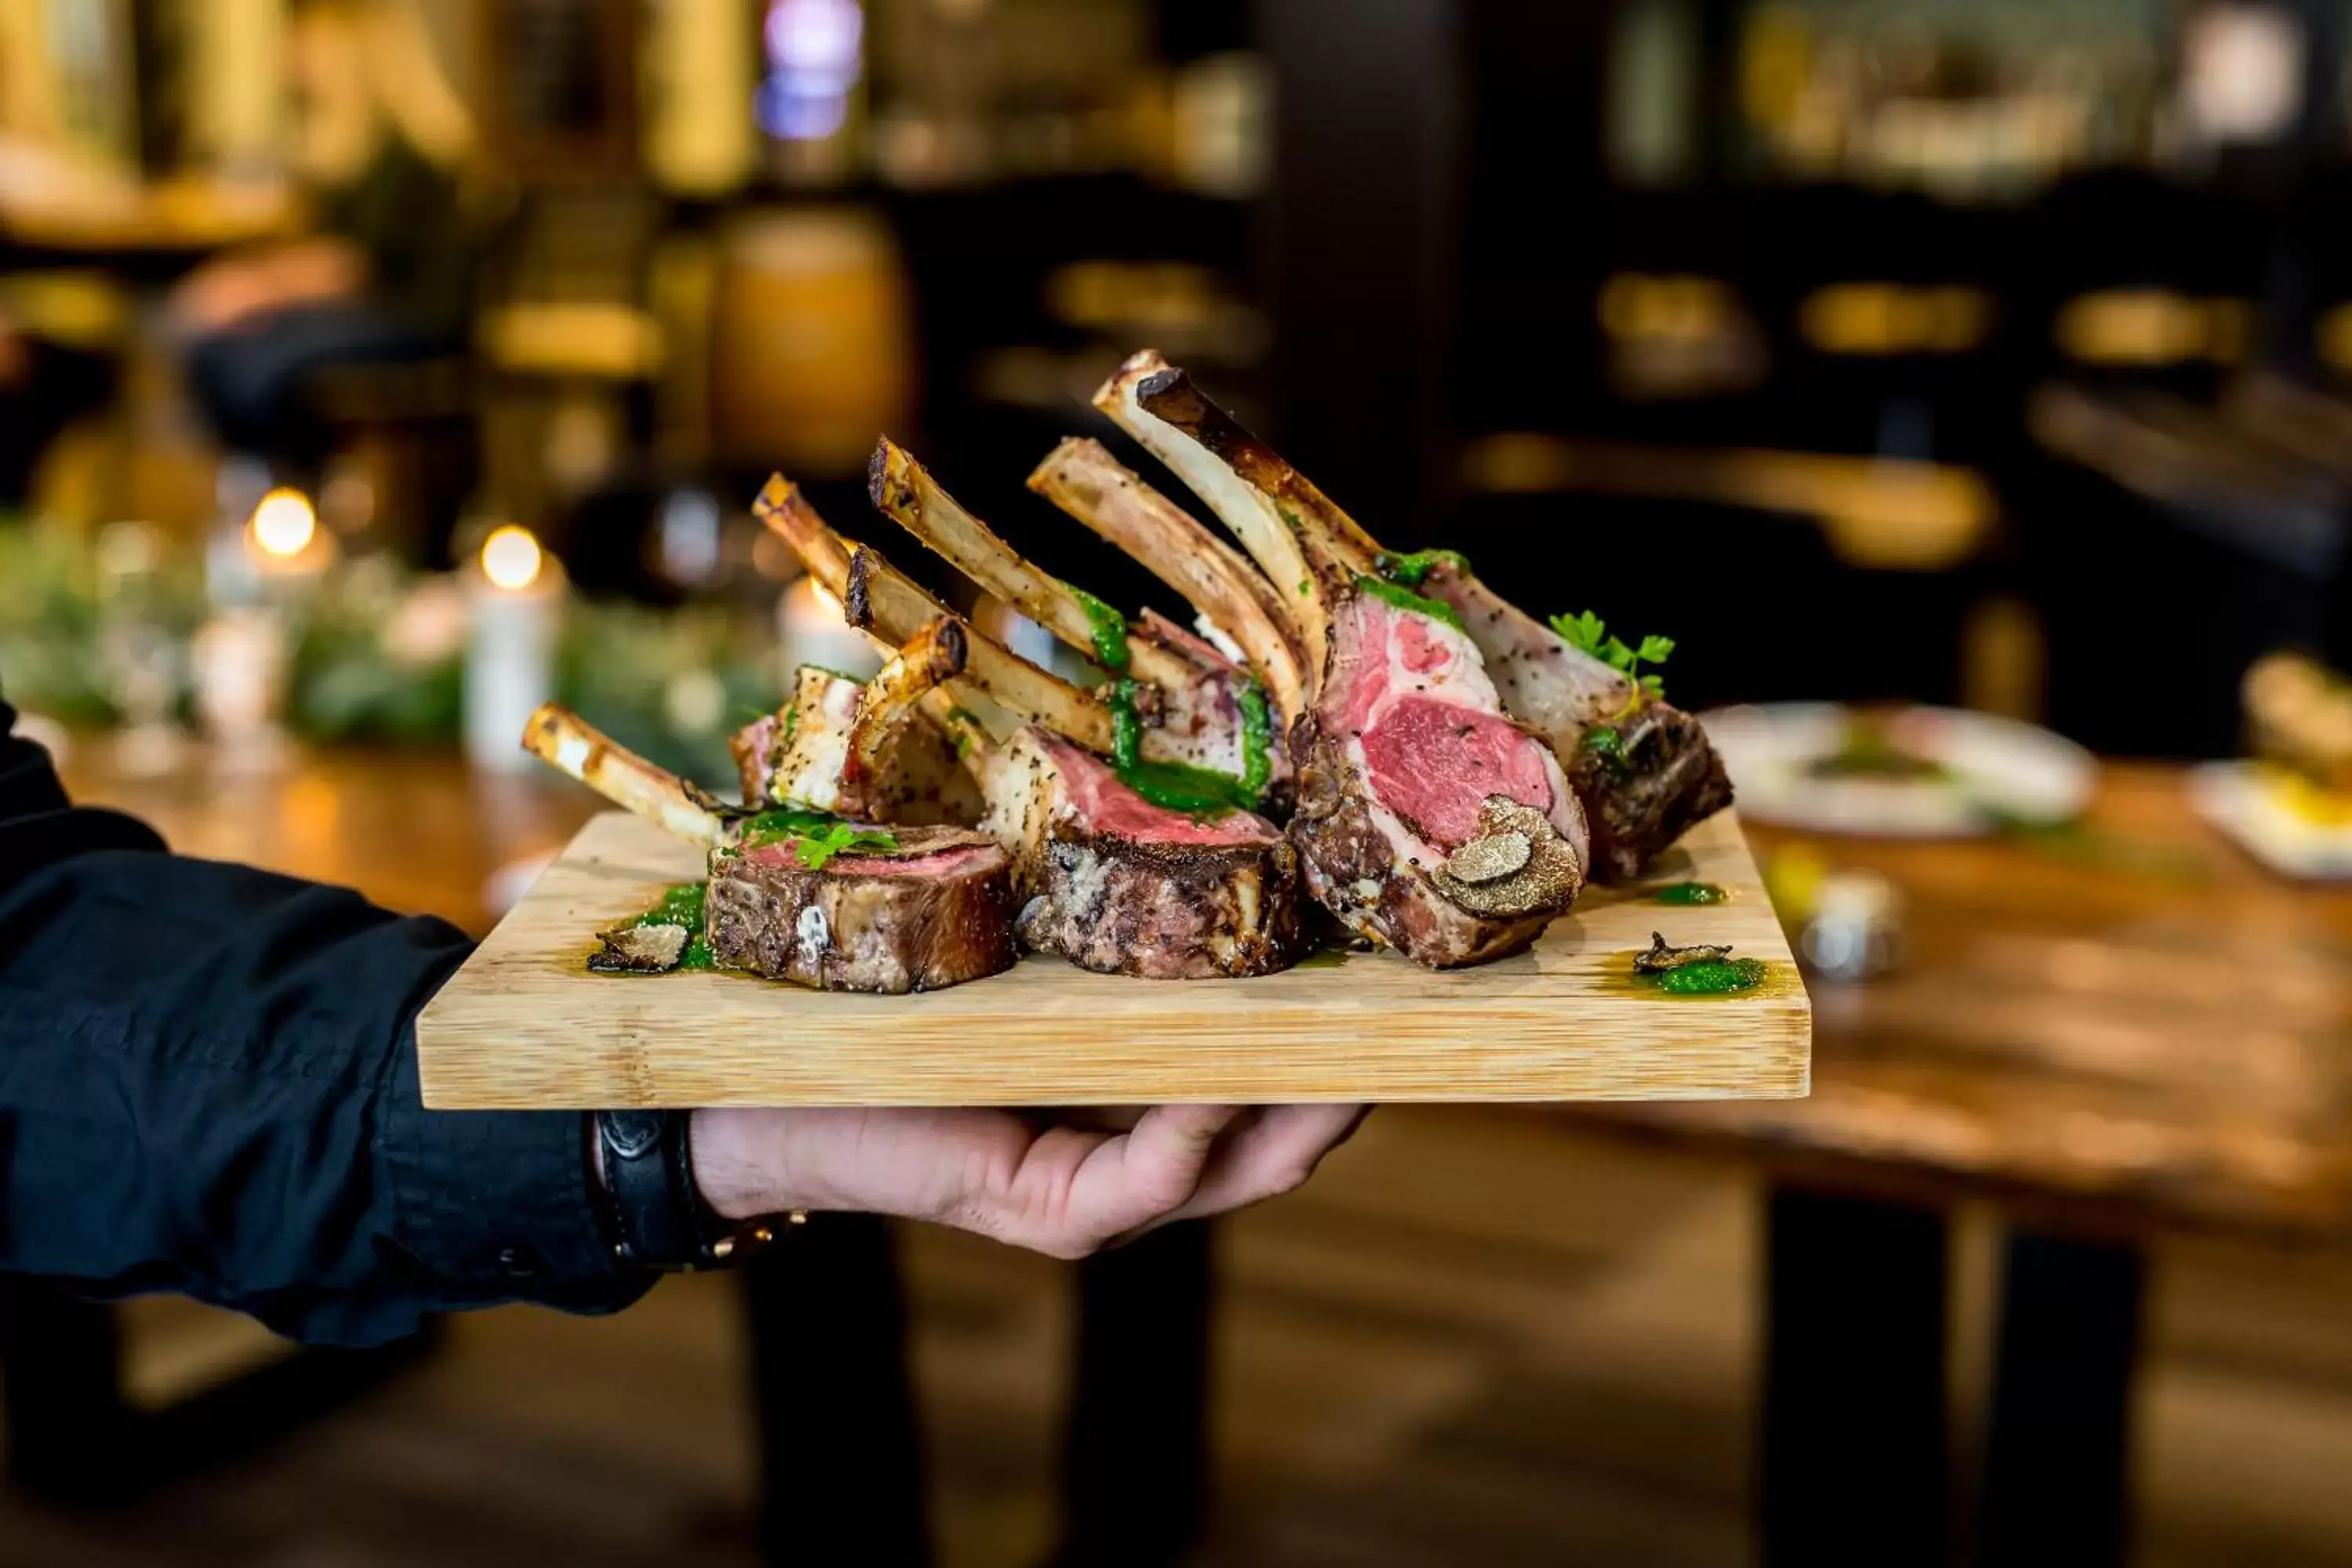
(415, 831)
(2130, 1027)
(2108, 1033)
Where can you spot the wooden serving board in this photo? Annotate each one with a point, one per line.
(524, 1024)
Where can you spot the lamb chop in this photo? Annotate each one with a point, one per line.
(1107, 878)
(1428, 821)
(1204, 700)
(1643, 769)
(802, 896)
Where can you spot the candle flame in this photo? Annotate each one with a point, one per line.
(511, 558)
(284, 524)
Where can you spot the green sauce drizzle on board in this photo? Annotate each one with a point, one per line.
(1713, 979)
(1691, 893)
(681, 905)
(1406, 599)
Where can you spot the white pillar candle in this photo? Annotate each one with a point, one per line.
(515, 598)
(810, 630)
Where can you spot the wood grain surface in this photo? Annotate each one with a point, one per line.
(524, 1026)
(2124, 1027)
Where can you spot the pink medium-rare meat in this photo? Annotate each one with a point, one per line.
(1405, 769)
(1427, 820)
(1116, 884)
(1643, 769)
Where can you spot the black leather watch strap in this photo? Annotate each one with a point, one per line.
(653, 1206)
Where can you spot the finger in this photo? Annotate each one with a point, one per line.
(1129, 1180)
(1270, 1155)
(1100, 1118)
(919, 1164)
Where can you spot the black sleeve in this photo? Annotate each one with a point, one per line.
(208, 1085)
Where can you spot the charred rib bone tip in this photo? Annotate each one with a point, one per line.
(1490, 859)
(949, 651)
(857, 601)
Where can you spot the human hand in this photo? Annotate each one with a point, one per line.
(1063, 1186)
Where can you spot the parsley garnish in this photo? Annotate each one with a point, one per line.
(815, 848)
(1589, 633)
(817, 837)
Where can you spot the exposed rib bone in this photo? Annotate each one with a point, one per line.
(1085, 480)
(787, 514)
(807, 766)
(903, 490)
(570, 744)
(1295, 533)
(890, 702)
(882, 600)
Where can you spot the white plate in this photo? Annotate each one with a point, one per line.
(1997, 769)
(2232, 797)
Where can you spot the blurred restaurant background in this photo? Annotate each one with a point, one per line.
(372, 370)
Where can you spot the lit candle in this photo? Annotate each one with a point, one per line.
(284, 540)
(810, 630)
(517, 608)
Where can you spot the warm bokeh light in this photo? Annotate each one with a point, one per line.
(511, 558)
(827, 601)
(284, 524)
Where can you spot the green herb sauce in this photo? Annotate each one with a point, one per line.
(1413, 570)
(1126, 727)
(1406, 599)
(1108, 628)
(681, 905)
(1257, 740)
(1715, 979)
(1691, 893)
(1173, 786)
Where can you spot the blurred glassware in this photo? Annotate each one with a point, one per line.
(238, 663)
(1854, 931)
